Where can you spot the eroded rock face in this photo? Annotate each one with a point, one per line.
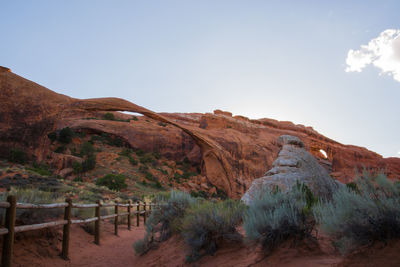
(231, 151)
(294, 164)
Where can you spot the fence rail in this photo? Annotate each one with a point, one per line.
(10, 229)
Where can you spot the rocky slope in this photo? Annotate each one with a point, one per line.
(229, 151)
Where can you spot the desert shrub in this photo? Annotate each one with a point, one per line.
(52, 136)
(200, 193)
(109, 116)
(65, 135)
(149, 176)
(116, 141)
(162, 124)
(207, 223)
(60, 149)
(40, 168)
(34, 196)
(221, 193)
(113, 181)
(89, 163)
(167, 219)
(156, 155)
(77, 167)
(157, 185)
(274, 217)
(86, 149)
(135, 118)
(17, 156)
(78, 179)
(187, 174)
(139, 152)
(146, 158)
(143, 169)
(361, 218)
(133, 161)
(126, 152)
(177, 177)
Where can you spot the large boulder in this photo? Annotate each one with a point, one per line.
(294, 164)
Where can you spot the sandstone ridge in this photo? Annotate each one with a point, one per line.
(230, 151)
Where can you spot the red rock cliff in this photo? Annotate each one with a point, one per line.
(232, 151)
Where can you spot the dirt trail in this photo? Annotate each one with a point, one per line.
(113, 251)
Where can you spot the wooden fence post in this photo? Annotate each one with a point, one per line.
(129, 214)
(116, 219)
(66, 229)
(138, 214)
(150, 207)
(8, 241)
(144, 214)
(97, 224)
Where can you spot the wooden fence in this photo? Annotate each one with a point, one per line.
(10, 229)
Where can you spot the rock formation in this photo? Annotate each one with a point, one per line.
(293, 165)
(230, 150)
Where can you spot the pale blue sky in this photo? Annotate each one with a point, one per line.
(284, 60)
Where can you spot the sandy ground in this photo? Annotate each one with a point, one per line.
(44, 247)
(44, 250)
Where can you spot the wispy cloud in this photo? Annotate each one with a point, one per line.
(383, 52)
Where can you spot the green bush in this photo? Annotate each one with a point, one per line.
(146, 158)
(143, 169)
(113, 181)
(89, 163)
(109, 116)
(77, 167)
(60, 149)
(41, 168)
(86, 149)
(207, 223)
(52, 136)
(135, 118)
(78, 179)
(17, 156)
(65, 135)
(274, 217)
(139, 152)
(361, 218)
(126, 152)
(133, 161)
(165, 221)
(201, 194)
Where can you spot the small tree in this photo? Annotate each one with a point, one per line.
(113, 181)
(109, 116)
(65, 135)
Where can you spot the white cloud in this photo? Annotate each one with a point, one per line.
(383, 52)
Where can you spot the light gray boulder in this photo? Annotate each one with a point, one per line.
(293, 164)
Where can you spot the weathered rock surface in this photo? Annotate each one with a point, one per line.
(231, 151)
(294, 164)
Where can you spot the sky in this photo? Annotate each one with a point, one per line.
(332, 65)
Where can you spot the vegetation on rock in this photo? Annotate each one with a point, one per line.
(273, 216)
